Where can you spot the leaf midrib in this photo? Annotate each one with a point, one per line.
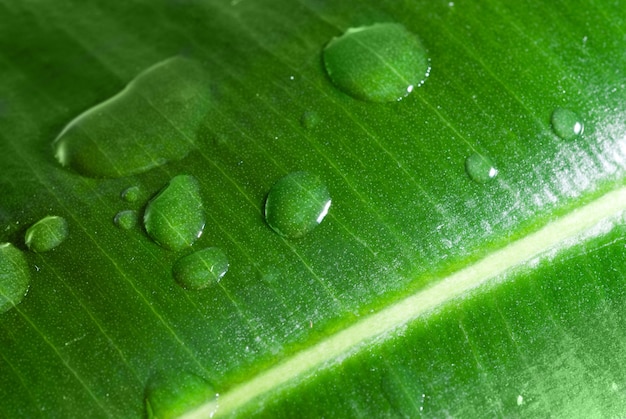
(581, 223)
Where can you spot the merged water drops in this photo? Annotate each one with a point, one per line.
(14, 276)
(201, 269)
(46, 234)
(152, 121)
(480, 168)
(379, 63)
(173, 394)
(174, 218)
(126, 219)
(296, 204)
(566, 124)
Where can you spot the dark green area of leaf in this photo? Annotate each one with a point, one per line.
(103, 313)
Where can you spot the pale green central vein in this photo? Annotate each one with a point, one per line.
(552, 236)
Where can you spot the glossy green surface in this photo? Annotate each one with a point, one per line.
(104, 314)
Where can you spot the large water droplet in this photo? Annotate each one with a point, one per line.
(131, 194)
(14, 276)
(126, 219)
(46, 234)
(379, 63)
(296, 204)
(480, 168)
(566, 124)
(200, 269)
(152, 121)
(174, 218)
(173, 394)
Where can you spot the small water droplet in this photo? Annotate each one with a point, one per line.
(567, 124)
(126, 219)
(309, 119)
(480, 168)
(14, 276)
(46, 234)
(130, 194)
(200, 269)
(378, 63)
(174, 218)
(173, 394)
(152, 121)
(296, 204)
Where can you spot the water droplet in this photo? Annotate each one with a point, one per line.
(131, 194)
(296, 204)
(126, 219)
(151, 122)
(46, 234)
(200, 269)
(404, 393)
(566, 124)
(309, 119)
(174, 218)
(480, 168)
(379, 63)
(173, 394)
(14, 276)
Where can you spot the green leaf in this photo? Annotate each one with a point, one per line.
(471, 263)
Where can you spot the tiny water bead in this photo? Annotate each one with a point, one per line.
(480, 168)
(152, 121)
(174, 394)
(566, 124)
(201, 269)
(174, 218)
(14, 276)
(379, 63)
(130, 194)
(126, 219)
(46, 234)
(296, 204)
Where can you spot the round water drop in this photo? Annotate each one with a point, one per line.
(126, 219)
(131, 194)
(174, 218)
(309, 119)
(46, 234)
(296, 204)
(173, 394)
(566, 124)
(480, 168)
(14, 276)
(379, 63)
(152, 121)
(200, 269)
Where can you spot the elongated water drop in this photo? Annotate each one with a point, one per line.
(174, 218)
(480, 168)
(379, 63)
(152, 121)
(14, 276)
(173, 394)
(46, 234)
(126, 219)
(296, 204)
(201, 269)
(566, 124)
